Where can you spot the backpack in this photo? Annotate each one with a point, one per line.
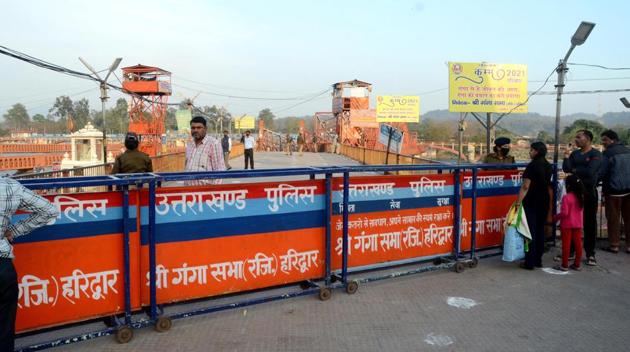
(619, 180)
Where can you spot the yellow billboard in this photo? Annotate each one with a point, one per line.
(487, 87)
(244, 122)
(397, 108)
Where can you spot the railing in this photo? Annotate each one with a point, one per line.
(379, 157)
(311, 229)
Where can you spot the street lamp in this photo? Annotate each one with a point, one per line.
(104, 97)
(580, 36)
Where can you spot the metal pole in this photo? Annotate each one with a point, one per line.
(459, 137)
(488, 131)
(389, 141)
(103, 99)
(561, 69)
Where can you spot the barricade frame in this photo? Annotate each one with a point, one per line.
(331, 280)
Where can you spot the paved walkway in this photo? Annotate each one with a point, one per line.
(495, 307)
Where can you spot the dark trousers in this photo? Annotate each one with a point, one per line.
(590, 221)
(8, 304)
(618, 208)
(249, 155)
(536, 219)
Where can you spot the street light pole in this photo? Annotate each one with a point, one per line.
(104, 97)
(580, 36)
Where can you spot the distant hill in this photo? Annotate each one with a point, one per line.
(531, 123)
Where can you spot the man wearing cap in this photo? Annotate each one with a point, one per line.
(501, 151)
(132, 160)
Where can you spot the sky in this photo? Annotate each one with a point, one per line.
(273, 50)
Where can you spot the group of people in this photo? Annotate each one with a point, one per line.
(301, 144)
(586, 168)
(203, 152)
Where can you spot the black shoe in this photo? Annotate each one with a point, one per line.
(524, 266)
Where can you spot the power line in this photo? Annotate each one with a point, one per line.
(600, 66)
(598, 91)
(303, 102)
(240, 96)
(234, 88)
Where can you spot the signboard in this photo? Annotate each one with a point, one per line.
(396, 142)
(73, 268)
(398, 108)
(487, 87)
(217, 239)
(244, 122)
(404, 217)
(183, 118)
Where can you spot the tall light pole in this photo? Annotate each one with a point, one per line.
(104, 97)
(580, 36)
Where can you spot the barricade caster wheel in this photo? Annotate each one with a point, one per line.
(324, 293)
(110, 321)
(352, 287)
(124, 334)
(473, 263)
(437, 261)
(163, 324)
(459, 267)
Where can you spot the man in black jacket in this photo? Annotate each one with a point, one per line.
(616, 189)
(585, 163)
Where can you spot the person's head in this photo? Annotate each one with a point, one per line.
(247, 133)
(609, 137)
(575, 186)
(537, 150)
(502, 146)
(131, 141)
(583, 138)
(198, 127)
(225, 133)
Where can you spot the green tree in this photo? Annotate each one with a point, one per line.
(267, 116)
(81, 114)
(170, 123)
(117, 117)
(62, 107)
(545, 137)
(582, 124)
(17, 117)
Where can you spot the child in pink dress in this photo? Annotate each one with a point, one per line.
(571, 224)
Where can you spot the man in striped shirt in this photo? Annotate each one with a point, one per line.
(14, 197)
(203, 153)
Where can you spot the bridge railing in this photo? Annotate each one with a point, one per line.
(151, 247)
(368, 156)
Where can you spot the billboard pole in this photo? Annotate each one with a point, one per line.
(488, 131)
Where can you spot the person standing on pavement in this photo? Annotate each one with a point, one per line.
(571, 219)
(300, 143)
(615, 177)
(132, 160)
(585, 163)
(14, 197)
(248, 142)
(226, 146)
(288, 148)
(203, 153)
(535, 200)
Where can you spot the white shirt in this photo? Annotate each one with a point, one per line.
(249, 142)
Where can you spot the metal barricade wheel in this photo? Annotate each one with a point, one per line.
(324, 293)
(352, 287)
(473, 263)
(437, 261)
(459, 267)
(124, 334)
(163, 324)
